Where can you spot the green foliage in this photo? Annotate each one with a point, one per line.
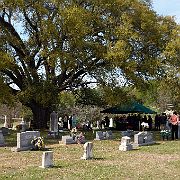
(66, 99)
(63, 45)
(89, 96)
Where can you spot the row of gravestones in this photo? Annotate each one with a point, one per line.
(47, 157)
(24, 143)
(144, 137)
(140, 139)
(99, 136)
(24, 139)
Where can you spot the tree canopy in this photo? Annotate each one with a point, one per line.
(49, 46)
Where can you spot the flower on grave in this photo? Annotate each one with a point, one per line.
(80, 138)
(38, 143)
(165, 133)
(144, 125)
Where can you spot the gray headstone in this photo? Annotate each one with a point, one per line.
(88, 151)
(1, 139)
(47, 159)
(139, 138)
(67, 140)
(53, 122)
(128, 133)
(5, 131)
(24, 140)
(143, 138)
(179, 131)
(99, 135)
(109, 135)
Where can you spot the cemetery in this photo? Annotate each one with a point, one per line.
(102, 150)
(89, 90)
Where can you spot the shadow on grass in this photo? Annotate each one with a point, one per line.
(97, 158)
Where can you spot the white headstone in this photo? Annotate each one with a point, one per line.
(47, 159)
(88, 153)
(5, 121)
(24, 126)
(111, 122)
(125, 144)
(97, 122)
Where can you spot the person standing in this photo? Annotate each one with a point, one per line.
(150, 122)
(174, 119)
(65, 121)
(163, 120)
(107, 121)
(157, 122)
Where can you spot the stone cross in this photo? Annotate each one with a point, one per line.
(47, 159)
(88, 154)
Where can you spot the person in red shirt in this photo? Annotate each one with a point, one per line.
(174, 120)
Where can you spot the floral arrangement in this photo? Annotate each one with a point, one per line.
(165, 134)
(38, 143)
(144, 125)
(80, 138)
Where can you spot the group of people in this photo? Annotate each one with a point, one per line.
(69, 122)
(170, 122)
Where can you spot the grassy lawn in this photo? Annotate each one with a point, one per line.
(159, 161)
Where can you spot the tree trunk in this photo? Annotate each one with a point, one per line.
(41, 117)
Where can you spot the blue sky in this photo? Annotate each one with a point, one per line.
(168, 7)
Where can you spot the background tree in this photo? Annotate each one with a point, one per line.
(48, 46)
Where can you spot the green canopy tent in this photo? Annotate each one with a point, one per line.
(132, 107)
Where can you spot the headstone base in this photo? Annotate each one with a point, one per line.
(144, 144)
(125, 148)
(15, 149)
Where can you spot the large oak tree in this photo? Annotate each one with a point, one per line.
(48, 46)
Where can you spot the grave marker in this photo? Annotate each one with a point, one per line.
(109, 135)
(47, 159)
(1, 139)
(143, 139)
(99, 135)
(67, 140)
(88, 154)
(125, 144)
(24, 140)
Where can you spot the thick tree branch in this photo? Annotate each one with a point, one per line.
(14, 36)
